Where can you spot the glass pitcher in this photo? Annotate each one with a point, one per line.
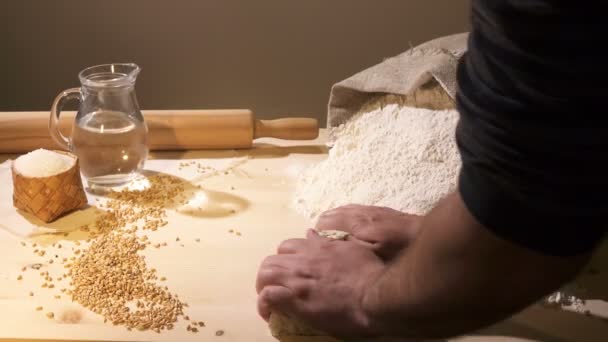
(109, 134)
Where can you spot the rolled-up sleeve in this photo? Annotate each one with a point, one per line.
(533, 129)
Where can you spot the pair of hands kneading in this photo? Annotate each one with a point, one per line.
(324, 282)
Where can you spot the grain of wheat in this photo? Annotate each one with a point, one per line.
(110, 274)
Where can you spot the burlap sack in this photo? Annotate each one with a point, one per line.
(425, 74)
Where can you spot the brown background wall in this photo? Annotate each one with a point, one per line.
(278, 57)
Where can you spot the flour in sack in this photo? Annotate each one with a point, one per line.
(389, 154)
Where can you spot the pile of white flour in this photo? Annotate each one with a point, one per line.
(390, 155)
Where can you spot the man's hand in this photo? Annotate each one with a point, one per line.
(386, 231)
(320, 282)
(450, 270)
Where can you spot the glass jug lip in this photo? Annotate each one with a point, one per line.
(109, 75)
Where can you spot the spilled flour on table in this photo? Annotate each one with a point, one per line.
(388, 155)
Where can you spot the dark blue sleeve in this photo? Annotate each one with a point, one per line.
(533, 129)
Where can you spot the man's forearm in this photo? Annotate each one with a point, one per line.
(460, 274)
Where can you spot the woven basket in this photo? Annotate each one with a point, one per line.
(47, 198)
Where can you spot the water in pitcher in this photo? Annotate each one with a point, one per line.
(111, 147)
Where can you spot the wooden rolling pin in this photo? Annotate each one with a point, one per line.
(168, 129)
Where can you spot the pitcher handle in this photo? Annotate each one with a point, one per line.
(69, 94)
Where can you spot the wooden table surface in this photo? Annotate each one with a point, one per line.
(216, 275)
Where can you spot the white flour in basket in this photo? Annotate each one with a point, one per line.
(390, 155)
